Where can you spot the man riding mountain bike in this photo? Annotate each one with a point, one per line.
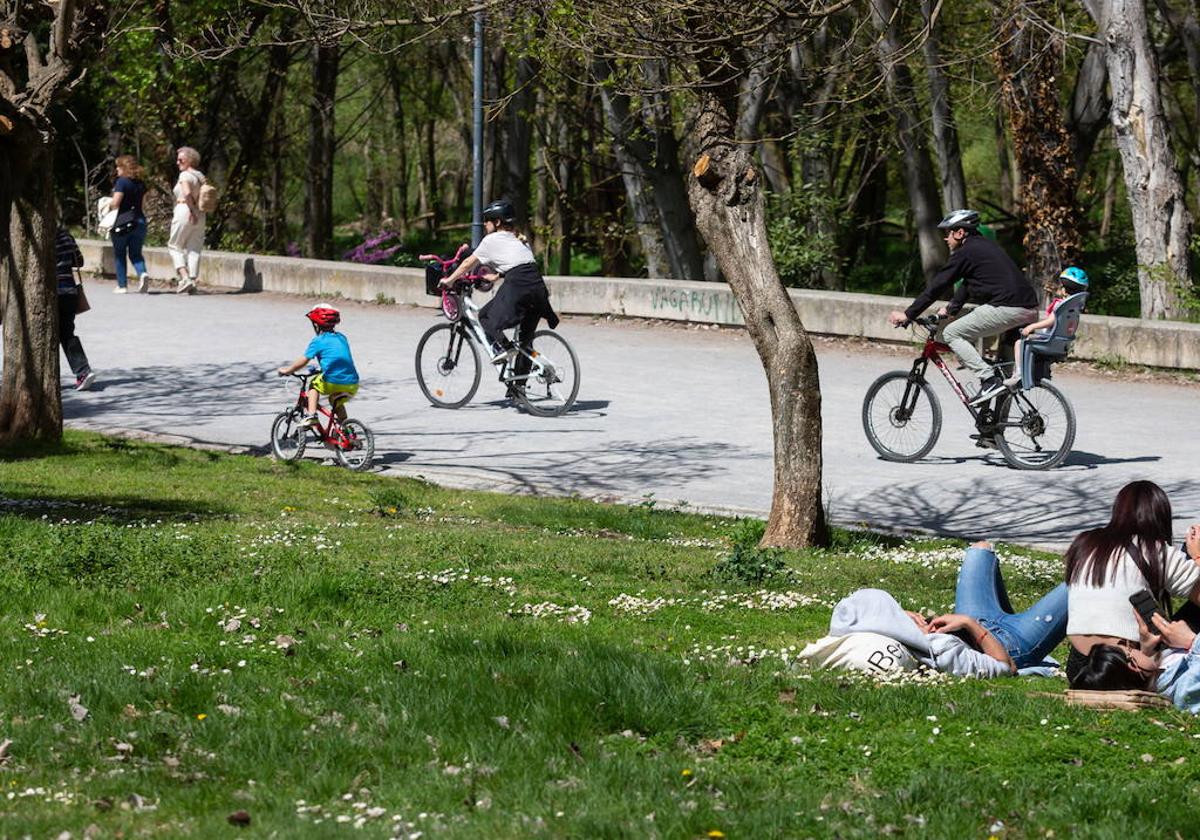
(992, 280)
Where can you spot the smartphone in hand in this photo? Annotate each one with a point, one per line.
(1146, 606)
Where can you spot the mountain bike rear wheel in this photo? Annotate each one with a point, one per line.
(553, 380)
(448, 366)
(901, 417)
(288, 435)
(355, 445)
(1035, 429)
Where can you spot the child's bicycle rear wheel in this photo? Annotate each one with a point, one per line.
(288, 435)
(353, 444)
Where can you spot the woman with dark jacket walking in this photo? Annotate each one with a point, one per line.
(68, 257)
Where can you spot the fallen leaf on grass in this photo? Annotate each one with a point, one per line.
(788, 696)
(232, 625)
(239, 818)
(501, 721)
(225, 708)
(130, 711)
(78, 710)
(4, 745)
(286, 644)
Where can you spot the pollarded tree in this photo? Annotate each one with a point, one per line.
(43, 47)
(710, 48)
(1162, 225)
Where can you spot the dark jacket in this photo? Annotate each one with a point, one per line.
(67, 258)
(989, 275)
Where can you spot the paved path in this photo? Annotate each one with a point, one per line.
(680, 413)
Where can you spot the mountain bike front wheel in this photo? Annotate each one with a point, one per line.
(901, 417)
(288, 435)
(448, 367)
(552, 383)
(355, 445)
(1035, 429)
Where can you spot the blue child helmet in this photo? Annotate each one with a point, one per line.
(1076, 275)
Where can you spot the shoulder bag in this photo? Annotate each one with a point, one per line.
(81, 302)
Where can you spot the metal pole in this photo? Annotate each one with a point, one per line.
(477, 217)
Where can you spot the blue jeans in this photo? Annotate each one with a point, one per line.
(129, 242)
(1028, 636)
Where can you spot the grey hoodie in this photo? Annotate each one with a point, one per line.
(875, 611)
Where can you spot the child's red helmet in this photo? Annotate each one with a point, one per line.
(324, 316)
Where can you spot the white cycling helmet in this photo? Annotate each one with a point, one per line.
(968, 219)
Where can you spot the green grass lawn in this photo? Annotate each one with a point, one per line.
(328, 651)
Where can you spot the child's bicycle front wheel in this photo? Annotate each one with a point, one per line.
(354, 445)
(288, 435)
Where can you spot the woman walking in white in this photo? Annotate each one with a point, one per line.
(187, 222)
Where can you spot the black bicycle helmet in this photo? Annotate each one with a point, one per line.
(968, 219)
(500, 211)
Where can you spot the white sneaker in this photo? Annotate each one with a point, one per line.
(84, 382)
(186, 287)
(143, 283)
(120, 290)
(502, 354)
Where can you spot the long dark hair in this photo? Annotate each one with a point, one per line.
(1140, 526)
(1107, 669)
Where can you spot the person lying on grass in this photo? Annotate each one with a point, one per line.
(1173, 671)
(870, 631)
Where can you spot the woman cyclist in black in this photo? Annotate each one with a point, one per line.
(522, 299)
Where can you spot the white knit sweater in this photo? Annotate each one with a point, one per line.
(1106, 611)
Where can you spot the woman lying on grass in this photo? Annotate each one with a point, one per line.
(1174, 672)
(870, 631)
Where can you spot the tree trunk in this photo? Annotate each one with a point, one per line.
(1027, 59)
(1110, 200)
(726, 196)
(667, 180)
(519, 143)
(399, 127)
(638, 191)
(1161, 222)
(1007, 185)
(1090, 104)
(322, 141)
(564, 196)
(30, 393)
(638, 199)
(918, 171)
(945, 132)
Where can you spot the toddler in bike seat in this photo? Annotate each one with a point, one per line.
(338, 379)
(1072, 281)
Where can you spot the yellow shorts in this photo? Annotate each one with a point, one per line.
(332, 391)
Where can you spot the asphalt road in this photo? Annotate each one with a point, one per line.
(671, 413)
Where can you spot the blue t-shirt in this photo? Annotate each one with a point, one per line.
(131, 194)
(332, 352)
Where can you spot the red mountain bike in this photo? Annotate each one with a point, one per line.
(1033, 428)
(353, 444)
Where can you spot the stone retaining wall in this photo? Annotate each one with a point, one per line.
(1157, 343)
